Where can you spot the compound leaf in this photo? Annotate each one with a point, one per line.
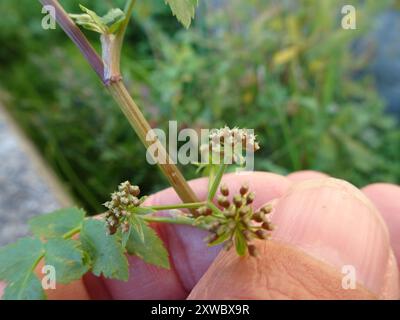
(25, 288)
(17, 264)
(184, 10)
(109, 23)
(105, 251)
(67, 258)
(113, 19)
(144, 243)
(57, 223)
(95, 18)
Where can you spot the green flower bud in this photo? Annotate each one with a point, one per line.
(250, 198)
(267, 209)
(213, 226)
(221, 230)
(228, 245)
(134, 190)
(252, 250)
(238, 200)
(212, 238)
(228, 213)
(262, 234)
(224, 190)
(258, 216)
(247, 234)
(267, 226)
(223, 202)
(243, 211)
(244, 189)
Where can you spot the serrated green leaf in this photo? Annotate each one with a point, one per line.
(113, 16)
(57, 223)
(240, 243)
(105, 251)
(96, 19)
(25, 288)
(109, 23)
(136, 226)
(184, 10)
(17, 263)
(149, 248)
(125, 237)
(113, 19)
(67, 259)
(143, 199)
(86, 22)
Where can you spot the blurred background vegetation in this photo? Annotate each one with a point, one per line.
(284, 68)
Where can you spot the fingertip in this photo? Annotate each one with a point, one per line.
(386, 198)
(280, 271)
(299, 176)
(333, 221)
(323, 225)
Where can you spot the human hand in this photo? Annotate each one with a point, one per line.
(322, 225)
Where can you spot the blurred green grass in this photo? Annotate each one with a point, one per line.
(283, 68)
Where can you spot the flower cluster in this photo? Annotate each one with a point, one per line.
(239, 221)
(242, 138)
(118, 207)
(229, 144)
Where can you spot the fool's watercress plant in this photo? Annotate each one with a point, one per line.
(75, 245)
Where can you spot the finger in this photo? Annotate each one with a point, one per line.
(323, 225)
(189, 256)
(299, 176)
(386, 198)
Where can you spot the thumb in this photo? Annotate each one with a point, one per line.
(325, 226)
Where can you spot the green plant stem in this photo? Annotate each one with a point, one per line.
(72, 232)
(122, 97)
(144, 131)
(128, 13)
(77, 36)
(216, 182)
(211, 177)
(174, 219)
(34, 266)
(214, 208)
(177, 206)
(37, 262)
(111, 45)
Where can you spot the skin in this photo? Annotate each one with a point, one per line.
(316, 218)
